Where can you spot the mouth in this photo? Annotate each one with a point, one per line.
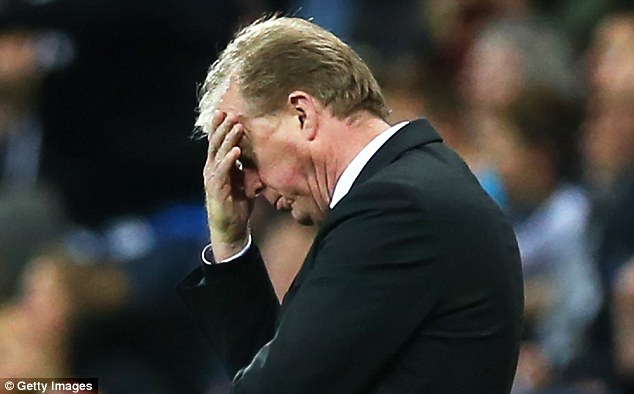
(283, 204)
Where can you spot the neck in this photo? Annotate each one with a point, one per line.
(348, 137)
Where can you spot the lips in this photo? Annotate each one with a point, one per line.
(282, 204)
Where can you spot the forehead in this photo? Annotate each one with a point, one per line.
(232, 101)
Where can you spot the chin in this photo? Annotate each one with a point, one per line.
(307, 218)
(303, 218)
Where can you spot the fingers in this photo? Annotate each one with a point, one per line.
(223, 153)
(225, 166)
(231, 140)
(228, 210)
(225, 134)
(221, 124)
(216, 120)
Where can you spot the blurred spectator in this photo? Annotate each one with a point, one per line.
(33, 308)
(19, 142)
(20, 127)
(534, 147)
(41, 292)
(118, 119)
(68, 309)
(609, 138)
(609, 161)
(37, 325)
(611, 54)
(27, 221)
(511, 56)
(454, 25)
(608, 142)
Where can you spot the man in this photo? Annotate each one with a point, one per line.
(413, 283)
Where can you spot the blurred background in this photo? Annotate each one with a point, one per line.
(101, 200)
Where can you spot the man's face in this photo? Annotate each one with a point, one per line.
(613, 53)
(493, 74)
(276, 162)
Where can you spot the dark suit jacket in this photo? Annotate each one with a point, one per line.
(412, 285)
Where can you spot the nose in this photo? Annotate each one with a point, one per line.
(253, 185)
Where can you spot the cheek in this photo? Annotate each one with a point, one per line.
(284, 179)
(280, 176)
(280, 167)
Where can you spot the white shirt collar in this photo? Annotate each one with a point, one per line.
(352, 171)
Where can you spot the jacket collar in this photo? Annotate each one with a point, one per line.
(416, 133)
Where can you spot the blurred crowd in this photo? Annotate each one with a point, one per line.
(101, 200)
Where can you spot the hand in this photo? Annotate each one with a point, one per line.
(228, 208)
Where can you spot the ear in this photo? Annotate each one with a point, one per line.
(307, 109)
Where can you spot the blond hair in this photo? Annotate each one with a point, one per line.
(271, 57)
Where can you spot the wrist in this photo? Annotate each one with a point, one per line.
(223, 250)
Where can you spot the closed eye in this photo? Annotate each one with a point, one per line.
(247, 157)
(247, 162)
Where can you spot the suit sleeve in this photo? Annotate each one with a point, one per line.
(372, 284)
(235, 306)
